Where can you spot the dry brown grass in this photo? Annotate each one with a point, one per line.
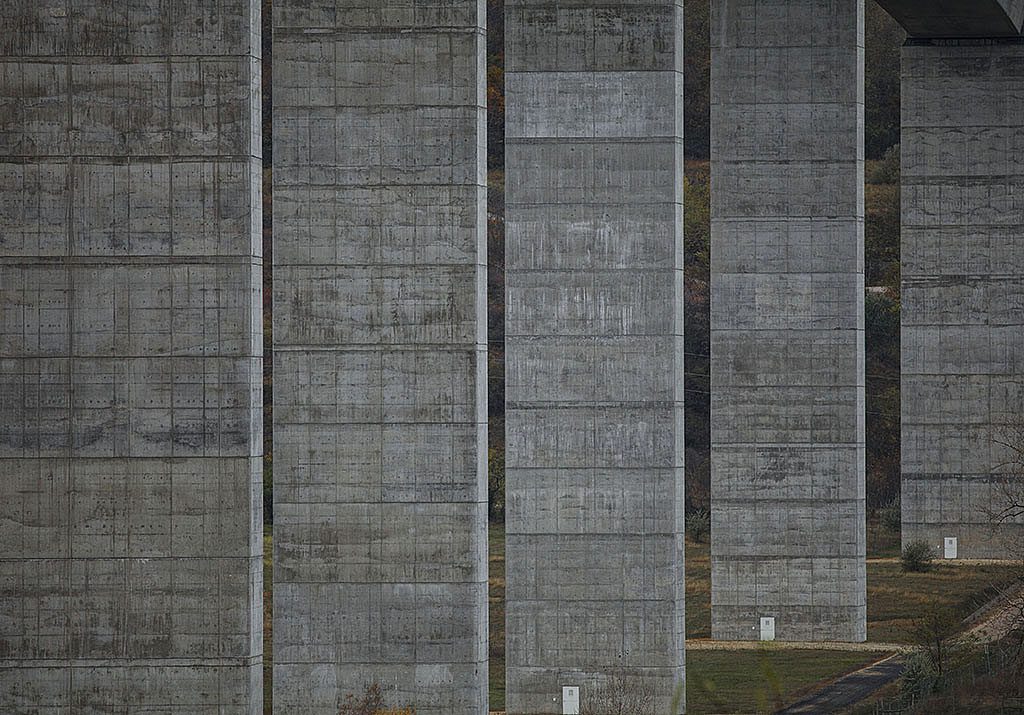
(896, 599)
(698, 590)
(496, 615)
(268, 618)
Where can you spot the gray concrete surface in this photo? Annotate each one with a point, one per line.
(787, 320)
(963, 289)
(594, 372)
(130, 368)
(958, 18)
(380, 355)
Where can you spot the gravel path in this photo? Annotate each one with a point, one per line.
(850, 688)
(708, 644)
(853, 688)
(1001, 619)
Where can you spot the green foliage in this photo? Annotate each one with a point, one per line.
(883, 38)
(697, 336)
(882, 236)
(919, 679)
(935, 632)
(698, 525)
(496, 485)
(882, 353)
(496, 115)
(891, 516)
(916, 557)
(882, 330)
(268, 488)
(495, 84)
(887, 169)
(697, 221)
(697, 79)
(496, 309)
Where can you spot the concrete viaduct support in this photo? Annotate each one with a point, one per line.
(380, 355)
(963, 273)
(130, 368)
(787, 320)
(594, 349)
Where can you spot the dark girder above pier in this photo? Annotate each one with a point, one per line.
(957, 18)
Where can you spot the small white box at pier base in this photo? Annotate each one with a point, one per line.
(768, 628)
(571, 700)
(949, 547)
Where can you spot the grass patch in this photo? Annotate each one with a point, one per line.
(496, 615)
(268, 618)
(698, 590)
(882, 543)
(719, 681)
(895, 598)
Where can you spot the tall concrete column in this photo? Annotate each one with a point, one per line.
(130, 368)
(963, 289)
(594, 328)
(380, 355)
(787, 320)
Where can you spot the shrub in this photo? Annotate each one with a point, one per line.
(919, 678)
(891, 516)
(496, 485)
(886, 171)
(917, 556)
(698, 525)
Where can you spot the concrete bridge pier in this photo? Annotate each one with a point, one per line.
(380, 400)
(787, 320)
(130, 358)
(594, 348)
(963, 282)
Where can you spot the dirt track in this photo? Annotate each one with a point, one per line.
(850, 688)
(853, 688)
(708, 644)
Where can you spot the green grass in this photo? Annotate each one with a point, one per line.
(752, 681)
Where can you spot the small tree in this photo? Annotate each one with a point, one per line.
(891, 516)
(496, 485)
(698, 525)
(1007, 506)
(1006, 516)
(919, 678)
(886, 171)
(933, 632)
(917, 556)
